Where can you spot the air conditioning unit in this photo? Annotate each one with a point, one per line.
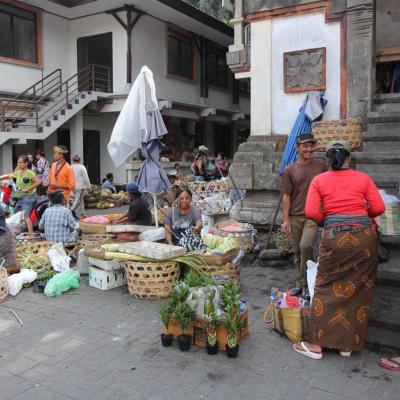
(247, 35)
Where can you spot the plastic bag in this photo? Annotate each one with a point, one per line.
(220, 244)
(58, 257)
(16, 281)
(312, 269)
(60, 283)
(82, 263)
(153, 235)
(388, 199)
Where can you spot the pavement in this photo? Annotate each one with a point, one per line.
(93, 344)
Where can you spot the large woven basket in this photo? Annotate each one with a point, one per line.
(151, 280)
(222, 273)
(3, 284)
(87, 227)
(219, 259)
(244, 237)
(389, 222)
(25, 248)
(349, 130)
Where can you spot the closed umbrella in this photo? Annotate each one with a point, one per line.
(140, 126)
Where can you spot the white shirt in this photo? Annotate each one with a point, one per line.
(81, 177)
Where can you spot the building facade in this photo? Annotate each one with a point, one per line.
(66, 68)
(350, 49)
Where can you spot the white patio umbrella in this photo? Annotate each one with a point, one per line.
(140, 126)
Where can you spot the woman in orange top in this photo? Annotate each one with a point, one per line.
(61, 175)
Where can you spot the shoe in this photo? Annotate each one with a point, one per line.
(306, 294)
(346, 354)
(306, 352)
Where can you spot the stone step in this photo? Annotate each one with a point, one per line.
(385, 180)
(387, 103)
(380, 146)
(382, 135)
(364, 157)
(379, 169)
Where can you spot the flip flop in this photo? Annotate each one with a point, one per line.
(381, 362)
(306, 352)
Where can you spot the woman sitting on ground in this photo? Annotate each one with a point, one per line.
(345, 201)
(182, 217)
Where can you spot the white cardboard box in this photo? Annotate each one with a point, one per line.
(105, 265)
(105, 280)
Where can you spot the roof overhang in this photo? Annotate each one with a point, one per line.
(176, 12)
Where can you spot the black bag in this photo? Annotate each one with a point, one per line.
(383, 253)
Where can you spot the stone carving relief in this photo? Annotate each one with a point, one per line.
(305, 70)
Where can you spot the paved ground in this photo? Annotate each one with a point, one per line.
(90, 344)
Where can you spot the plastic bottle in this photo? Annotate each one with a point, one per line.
(238, 257)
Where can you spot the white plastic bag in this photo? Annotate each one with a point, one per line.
(388, 199)
(312, 269)
(16, 281)
(58, 257)
(16, 218)
(153, 235)
(82, 263)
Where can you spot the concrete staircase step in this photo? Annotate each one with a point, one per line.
(382, 135)
(384, 103)
(381, 117)
(379, 169)
(385, 180)
(380, 146)
(376, 157)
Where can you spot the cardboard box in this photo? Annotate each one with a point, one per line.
(105, 280)
(175, 329)
(105, 265)
(200, 336)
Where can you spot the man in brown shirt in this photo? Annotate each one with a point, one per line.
(294, 185)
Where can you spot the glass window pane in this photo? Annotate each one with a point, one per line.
(18, 12)
(186, 60)
(5, 35)
(24, 39)
(173, 56)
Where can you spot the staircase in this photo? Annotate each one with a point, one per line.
(40, 110)
(380, 159)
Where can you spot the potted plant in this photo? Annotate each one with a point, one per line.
(165, 315)
(184, 315)
(210, 324)
(233, 323)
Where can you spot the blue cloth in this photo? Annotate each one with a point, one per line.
(57, 222)
(302, 125)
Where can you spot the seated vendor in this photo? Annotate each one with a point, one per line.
(108, 183)
(58, 222)
(182, 217)
(7, 245)
(169, 195)
(138, 212)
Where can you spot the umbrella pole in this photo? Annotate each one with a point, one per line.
(155, 208)
(274, 220)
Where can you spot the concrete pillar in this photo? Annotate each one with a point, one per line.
(76, 134)
(261, 78)
(6, 164)
(210, 136)
(360, 57)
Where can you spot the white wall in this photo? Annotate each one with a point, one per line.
(300, 32)
(56, 49)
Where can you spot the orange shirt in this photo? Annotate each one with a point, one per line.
(62, 175)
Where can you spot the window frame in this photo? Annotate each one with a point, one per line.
(38, 28)
(181, 32)
(220, 52)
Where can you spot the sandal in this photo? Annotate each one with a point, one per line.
(383, 363)
(306, 352)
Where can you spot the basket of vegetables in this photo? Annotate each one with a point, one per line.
(96, 224)
(3, 283)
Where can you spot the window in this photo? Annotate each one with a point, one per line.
(244, 87)
(217, 70)
(180, 54)
(18, 33)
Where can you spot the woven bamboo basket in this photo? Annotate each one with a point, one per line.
(151, 280)
(3, 284)
(349, 130)
(389, 221)
(244, 236)
(95, 250)
(87, 227)
(26, 238)
(222, 273)
(219, 259)
(26, 248)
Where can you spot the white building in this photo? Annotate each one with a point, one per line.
(65, 72)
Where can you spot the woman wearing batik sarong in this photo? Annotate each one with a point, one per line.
(345, 201)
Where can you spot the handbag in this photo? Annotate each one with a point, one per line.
(289, 322)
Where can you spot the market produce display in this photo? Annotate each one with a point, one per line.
(104, 198)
